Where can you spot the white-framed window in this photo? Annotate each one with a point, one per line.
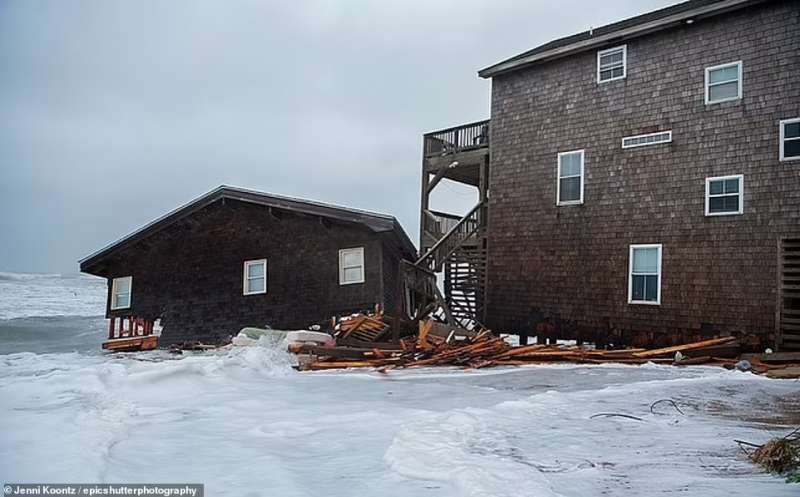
(790, 139)
(648, 139)
(255, 277)
(725, 195)
(569, 184)
(612, 64)
(724, 82)
(644, 275)
(121, 292)
(351, 266)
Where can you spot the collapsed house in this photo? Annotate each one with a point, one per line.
(636, 184)
(235, 258)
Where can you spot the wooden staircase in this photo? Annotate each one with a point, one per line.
(788, 322)
(455, 245)
(464, 283)
(461, 253)
(466, 229)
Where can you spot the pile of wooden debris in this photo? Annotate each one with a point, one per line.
(358, 345)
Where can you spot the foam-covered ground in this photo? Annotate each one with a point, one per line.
(244, 423)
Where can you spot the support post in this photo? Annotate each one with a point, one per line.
(425, 194)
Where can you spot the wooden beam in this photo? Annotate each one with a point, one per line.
(445, 308)
(683, 348)
(438, 176)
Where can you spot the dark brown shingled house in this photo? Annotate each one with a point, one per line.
(234, 258)
(638, 183)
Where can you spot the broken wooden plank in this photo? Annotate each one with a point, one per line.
(338, 352)
(781, 357)
(320, 365)
(784, 373)
(685, 347)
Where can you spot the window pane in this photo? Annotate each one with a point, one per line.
(731, 203)
(726, 90)
(606, 74)
(617, 72)
(651, 288)
(611, 58)
(732, 185)
(255, 270)
(351, 258)
(723, 74)
(716, 187)
(638, 287)
(791, 148)
(122, 300)
(645, 260)
(256, 285)
(122, 285)
(716, 204)
(570, 189)
(571, 164)
(791, 130)
(353, 274)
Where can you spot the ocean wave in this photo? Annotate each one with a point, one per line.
(7, 276)
(36, 295)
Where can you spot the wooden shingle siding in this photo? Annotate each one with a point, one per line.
(571, 262)
(190, 273)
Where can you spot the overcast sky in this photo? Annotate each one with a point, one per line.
(113, 113)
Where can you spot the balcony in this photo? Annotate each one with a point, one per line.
(459, 139)
(462, 150)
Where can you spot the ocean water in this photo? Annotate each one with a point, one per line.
(244, 423)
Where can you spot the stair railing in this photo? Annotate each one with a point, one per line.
(454, 238)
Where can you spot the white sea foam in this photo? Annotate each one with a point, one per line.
(241, 420)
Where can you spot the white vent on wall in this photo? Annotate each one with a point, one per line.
(648, 139)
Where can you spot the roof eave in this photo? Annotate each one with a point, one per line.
(376, 222)
(637, 30)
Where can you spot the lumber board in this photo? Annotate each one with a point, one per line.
(781, 357)
(784, 373)
(685, 347)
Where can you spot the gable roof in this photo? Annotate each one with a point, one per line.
(650, 22)
(378, 223)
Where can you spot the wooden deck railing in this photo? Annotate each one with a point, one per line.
(453, 238)
(439, 223)
(458, 139)
(129, 326)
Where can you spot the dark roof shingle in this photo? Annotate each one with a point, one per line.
(377, 222)
(604, 34)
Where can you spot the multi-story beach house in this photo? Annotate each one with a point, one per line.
(638, 183)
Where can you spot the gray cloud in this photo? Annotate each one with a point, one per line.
(112, 113)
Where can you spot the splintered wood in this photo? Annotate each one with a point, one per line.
(363, 328)
(433, 346)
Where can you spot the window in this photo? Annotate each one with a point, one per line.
(351, 266)
(724, 82)
(569, 189)
(724, 195)
(644, 282)
(255, 277)
(648, 139)
(611, 64)
(790, 139)
(121, 292)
